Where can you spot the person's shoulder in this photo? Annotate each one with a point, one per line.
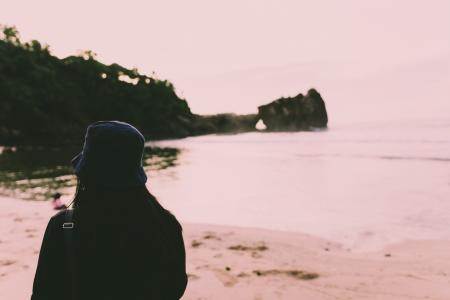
(172, 220)
(55, 223)
(58, 218)
(59, 215)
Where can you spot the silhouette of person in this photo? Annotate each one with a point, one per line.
(57, 204)
(125, 244)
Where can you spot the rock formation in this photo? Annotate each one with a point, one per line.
(295, 113)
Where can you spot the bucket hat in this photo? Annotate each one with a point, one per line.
(111, 156)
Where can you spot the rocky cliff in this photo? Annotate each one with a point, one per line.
(302, 112)
(45, 100)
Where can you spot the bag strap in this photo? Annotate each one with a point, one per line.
(68, 227)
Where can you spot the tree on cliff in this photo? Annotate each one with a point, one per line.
(47, 100)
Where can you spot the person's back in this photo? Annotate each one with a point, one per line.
(126, 246)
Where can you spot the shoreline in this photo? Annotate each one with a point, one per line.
(228, 262)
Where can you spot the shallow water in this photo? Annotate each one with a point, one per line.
(365, 186)
(36, 173)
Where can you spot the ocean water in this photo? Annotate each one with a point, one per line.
(365, 185)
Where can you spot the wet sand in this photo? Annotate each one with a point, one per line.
(247, 263)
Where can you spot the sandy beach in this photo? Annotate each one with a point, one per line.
(247, 263)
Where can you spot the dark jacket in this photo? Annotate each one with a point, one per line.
(115, 258)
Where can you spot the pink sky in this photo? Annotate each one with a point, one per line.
(369, 59)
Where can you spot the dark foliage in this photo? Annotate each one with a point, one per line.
(47, 100)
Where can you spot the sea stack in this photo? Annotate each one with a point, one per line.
(302, 112)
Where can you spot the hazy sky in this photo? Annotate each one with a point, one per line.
(369, 59)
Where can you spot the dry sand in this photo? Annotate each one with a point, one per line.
(245, 263)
